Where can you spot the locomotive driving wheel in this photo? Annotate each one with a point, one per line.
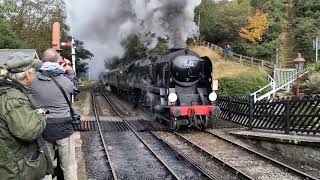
(174, 124)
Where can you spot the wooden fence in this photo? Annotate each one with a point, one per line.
(245, 60)
(287, 115)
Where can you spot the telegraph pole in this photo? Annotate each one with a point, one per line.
(277, 58)
(73, 53)
(317, 48)
(199, 21)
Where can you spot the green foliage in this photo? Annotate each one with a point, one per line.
(32, 20)
(160, 49)
(314, 68)
(136, 49)
(307, 26)
(311, 82)
(240, 86)
(8, 39)
(86, 86)
(82, 54)
(220, 24)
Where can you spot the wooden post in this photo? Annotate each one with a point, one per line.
(287, 116)
(230, 109)
(250, 115)
(240, 59)
(262, 64)
(251, 61)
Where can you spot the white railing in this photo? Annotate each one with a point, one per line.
(271, 85)
(275, 87)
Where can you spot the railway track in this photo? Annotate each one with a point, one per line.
(236, 174)
(110, 163)
(154, 146)
(223, 169)
(174, 175)
(262, 156)
(245, 163)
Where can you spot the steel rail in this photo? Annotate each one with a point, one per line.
(186, 157)
(275, 162)
(238, 173)
(119, 102)
(139, 137)
(114, 175)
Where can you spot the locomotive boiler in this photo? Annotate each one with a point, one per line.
(176, 87)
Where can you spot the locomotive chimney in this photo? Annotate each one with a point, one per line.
(56, 37)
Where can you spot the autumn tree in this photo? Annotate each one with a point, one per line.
(256, 27)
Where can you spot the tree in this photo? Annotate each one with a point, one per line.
(8, 39)
(32, 20)
(257, 26)
(307, 27)
(311, 84)
(82, 55)
(135, 49)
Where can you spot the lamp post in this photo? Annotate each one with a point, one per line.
(298, 62)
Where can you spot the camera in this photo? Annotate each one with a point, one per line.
(64, 62)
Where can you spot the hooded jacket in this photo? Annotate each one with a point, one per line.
(46, 94)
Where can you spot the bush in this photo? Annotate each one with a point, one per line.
(86, 86)
(311, 83)
(240, 86)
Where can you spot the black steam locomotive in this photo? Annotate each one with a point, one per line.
(176, 87)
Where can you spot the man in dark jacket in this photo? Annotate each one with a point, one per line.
(23, 155)
(46, 94)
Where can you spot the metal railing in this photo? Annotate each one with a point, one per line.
(239, 58)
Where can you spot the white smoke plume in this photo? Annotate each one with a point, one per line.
(104, 24)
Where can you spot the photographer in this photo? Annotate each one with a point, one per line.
(23, 154)
(47, 87)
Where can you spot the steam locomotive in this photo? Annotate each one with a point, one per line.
(176, 87)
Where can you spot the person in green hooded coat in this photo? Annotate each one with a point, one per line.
(23, 154)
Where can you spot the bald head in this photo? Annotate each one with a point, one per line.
(50, 55)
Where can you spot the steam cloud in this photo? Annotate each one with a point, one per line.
(104, 24)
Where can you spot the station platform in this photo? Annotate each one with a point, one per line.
(305, 140)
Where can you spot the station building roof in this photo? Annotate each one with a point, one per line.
(5, 54)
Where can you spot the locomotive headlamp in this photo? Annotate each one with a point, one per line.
(173, 97)
(213, 96)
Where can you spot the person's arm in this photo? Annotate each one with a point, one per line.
(70, 74)
(23, 121)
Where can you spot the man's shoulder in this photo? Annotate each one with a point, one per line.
(64, 79)
(13, 93)
(12, 97)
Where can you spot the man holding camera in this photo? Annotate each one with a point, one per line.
(23, 153)
(55, 77)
